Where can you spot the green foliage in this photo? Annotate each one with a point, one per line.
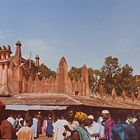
(91, 78)
(127, 71)
(45, 72)
(75, 73)
(110, 75)
(109, 72)
(29, 69)
(113, 75)
(94, 76)
(128, 82)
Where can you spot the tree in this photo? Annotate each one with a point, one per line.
(109, 73)
(29, 69)
(75, 73)
(91, 79)
(128, 81)
(127, 71)
(94, 77)
(45, 72)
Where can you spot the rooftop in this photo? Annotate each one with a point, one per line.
(53, 99)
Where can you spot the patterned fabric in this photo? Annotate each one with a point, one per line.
(80, 116)
(84, 135)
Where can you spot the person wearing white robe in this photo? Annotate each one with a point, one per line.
(95, 130)
(34, 127)
(59, 128)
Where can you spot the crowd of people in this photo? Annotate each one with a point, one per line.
(71, 125)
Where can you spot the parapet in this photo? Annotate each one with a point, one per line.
(5, 48)
(5, 52)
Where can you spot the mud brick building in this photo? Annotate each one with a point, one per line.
(13, 81)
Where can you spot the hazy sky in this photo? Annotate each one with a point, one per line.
(84, 31)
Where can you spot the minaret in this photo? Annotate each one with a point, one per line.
(85, 82)
(62, 76)
(19, 64)
(18, 52)
(37, 61)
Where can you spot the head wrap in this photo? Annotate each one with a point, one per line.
(91, 117)
(105, 112)
(80, 116)
(2, 105)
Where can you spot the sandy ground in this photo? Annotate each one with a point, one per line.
(43, 138)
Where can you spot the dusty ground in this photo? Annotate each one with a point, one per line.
(43, 138)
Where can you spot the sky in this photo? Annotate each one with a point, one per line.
(83, 31)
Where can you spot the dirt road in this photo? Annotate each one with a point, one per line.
(44, 138)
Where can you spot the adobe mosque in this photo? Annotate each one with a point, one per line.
(13, 81)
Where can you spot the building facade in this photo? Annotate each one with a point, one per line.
(13, 80)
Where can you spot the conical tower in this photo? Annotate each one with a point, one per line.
(62, 76)
(85, 81)
(37, 61)
(18, 54)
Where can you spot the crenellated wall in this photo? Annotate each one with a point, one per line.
(62, 84)
(12, 69)
(51, 86)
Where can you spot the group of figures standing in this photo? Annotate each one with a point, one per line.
(71, 125)
(80, 126)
